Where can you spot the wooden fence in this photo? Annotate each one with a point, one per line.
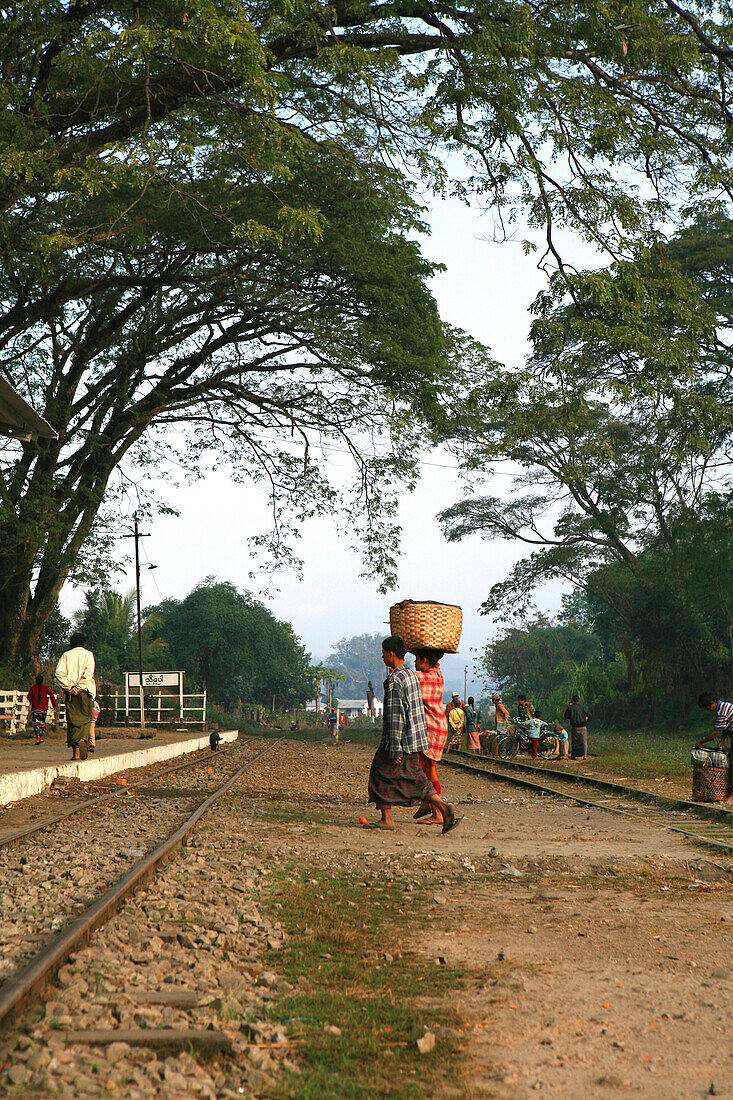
(160, 709)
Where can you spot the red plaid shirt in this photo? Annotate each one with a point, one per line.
(431, 686)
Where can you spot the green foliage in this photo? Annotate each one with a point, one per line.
(621, 426)
(229, 645)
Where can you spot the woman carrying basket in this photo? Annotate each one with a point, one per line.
(723, 728)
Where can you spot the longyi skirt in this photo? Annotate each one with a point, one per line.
(398, 782)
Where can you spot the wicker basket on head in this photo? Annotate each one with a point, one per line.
(709, 784)
(424, 624)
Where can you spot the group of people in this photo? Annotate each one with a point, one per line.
(75, 676)
(414, 738)
(463, 717)
(576, 715)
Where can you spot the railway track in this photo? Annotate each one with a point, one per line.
(108, 796)
(707, 825)
(32, 874)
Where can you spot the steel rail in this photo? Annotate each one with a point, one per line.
(709, 812)
(32, 978)
(627, 792)
(97, 800)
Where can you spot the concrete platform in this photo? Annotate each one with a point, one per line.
(27, 770)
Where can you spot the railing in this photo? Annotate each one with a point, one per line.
(14, 711)
(160, 709)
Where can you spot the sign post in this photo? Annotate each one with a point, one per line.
(152, 680)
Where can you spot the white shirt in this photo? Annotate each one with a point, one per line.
(76, 670)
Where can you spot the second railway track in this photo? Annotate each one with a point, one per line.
(706, 825)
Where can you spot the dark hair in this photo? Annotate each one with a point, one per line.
(39, 678)
(538, 714)
(575, 699)
(522, 698)
(470, 699)
(432, 656)
(705, 700)
(77, 639)
(394, 644)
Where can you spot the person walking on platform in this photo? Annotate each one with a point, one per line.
(38, 698)
(395, 777)
(75, 674)
(578, 717)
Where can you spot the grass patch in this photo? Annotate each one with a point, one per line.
(641, 755)
(340, 932)
(279, 813)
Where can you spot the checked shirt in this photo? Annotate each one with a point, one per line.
(403, 720)
(432, 687)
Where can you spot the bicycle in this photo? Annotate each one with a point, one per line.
(516, 738)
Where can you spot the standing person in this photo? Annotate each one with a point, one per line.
(430, 678)
(456, 721)
(525, 710)
(473, 725)
(501, 714)
(534, 725)
(333, 723)
(75, 674)
(723, 727)
(38, 698)
(578, 717)
(396, 778)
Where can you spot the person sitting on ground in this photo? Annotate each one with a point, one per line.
(525, 710)
(395, 777)
(723, 728)
(562, 737)
(578, 717)
(473, 725)
(38, 698)
(430, 678)
(534, 725)
(456, 716)
(75, 674)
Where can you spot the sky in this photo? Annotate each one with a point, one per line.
(486, 290)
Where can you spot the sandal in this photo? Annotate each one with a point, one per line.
(451, 822)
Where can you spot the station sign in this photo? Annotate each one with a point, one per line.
(153, 680)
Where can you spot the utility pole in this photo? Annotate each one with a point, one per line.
(137, 536)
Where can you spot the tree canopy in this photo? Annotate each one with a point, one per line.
(620, 426)
(208, 215)
(232, 647)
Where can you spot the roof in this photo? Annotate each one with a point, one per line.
(350, 703)
(18, 419)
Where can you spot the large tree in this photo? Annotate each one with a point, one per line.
(203, 212)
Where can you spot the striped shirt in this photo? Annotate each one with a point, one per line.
(431, 686)
(724, 717)
(403, 717)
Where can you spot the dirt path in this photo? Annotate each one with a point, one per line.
(552, 950)
(599, 963)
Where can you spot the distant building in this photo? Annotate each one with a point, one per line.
(354, 708)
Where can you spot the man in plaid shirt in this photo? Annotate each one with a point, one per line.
(395, 778)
